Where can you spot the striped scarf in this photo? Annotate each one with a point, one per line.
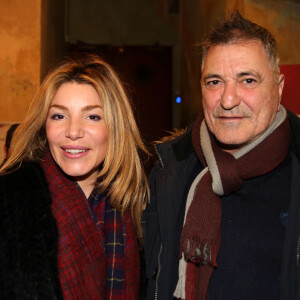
(223, 173)
(83, 260)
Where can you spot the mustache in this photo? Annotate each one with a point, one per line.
(234, 112)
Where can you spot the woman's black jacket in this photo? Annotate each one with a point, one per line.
(28, 237)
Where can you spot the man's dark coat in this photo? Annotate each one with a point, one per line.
(169, 181)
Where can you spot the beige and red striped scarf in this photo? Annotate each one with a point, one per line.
(223, 173)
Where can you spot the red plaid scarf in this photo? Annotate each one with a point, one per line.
(109, 224)
(201, 234)
(81, 255)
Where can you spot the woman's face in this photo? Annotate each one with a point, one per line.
(76, 132)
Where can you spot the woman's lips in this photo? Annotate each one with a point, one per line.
(74, 151)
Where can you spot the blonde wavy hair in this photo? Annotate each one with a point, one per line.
(122, 175)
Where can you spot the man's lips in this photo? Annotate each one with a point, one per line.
(231, 117)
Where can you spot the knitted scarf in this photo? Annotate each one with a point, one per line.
(223, 174)
(81, 254)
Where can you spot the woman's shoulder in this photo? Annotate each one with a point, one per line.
(24, 196)
(29, 175)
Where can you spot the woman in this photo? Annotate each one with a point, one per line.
(72, 191)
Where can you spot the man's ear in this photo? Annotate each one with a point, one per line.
(280, 88)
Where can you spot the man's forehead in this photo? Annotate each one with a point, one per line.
(238, 42)
(240, 74)
(247, 58)
(254, 46)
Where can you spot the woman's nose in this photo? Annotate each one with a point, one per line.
(74, 129)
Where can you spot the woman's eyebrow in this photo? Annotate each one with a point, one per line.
(85, 108)
(91, 107)
(58, 106)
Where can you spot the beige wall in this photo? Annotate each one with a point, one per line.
(31, 39)
(19, 57)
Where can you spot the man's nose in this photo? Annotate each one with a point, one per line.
(230, 97)
(74, 129)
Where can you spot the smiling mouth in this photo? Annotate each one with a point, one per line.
(74, 151)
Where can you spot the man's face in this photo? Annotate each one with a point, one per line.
(241, 96)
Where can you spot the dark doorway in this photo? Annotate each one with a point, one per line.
(147, 74)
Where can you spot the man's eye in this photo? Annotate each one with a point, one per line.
(249, 80)
(212, 83)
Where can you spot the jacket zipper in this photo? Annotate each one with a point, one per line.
(159, 157)
(298, 251)
(158, 272)
(161, 246)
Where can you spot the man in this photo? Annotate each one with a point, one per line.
(224, 215)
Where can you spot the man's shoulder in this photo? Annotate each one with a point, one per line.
(295, 133)
(294, 119)
(178, 145)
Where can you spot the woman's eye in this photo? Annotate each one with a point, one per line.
(94, 117)
(57, 117)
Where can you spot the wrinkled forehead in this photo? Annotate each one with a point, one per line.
(254, 45)
(238, 56)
